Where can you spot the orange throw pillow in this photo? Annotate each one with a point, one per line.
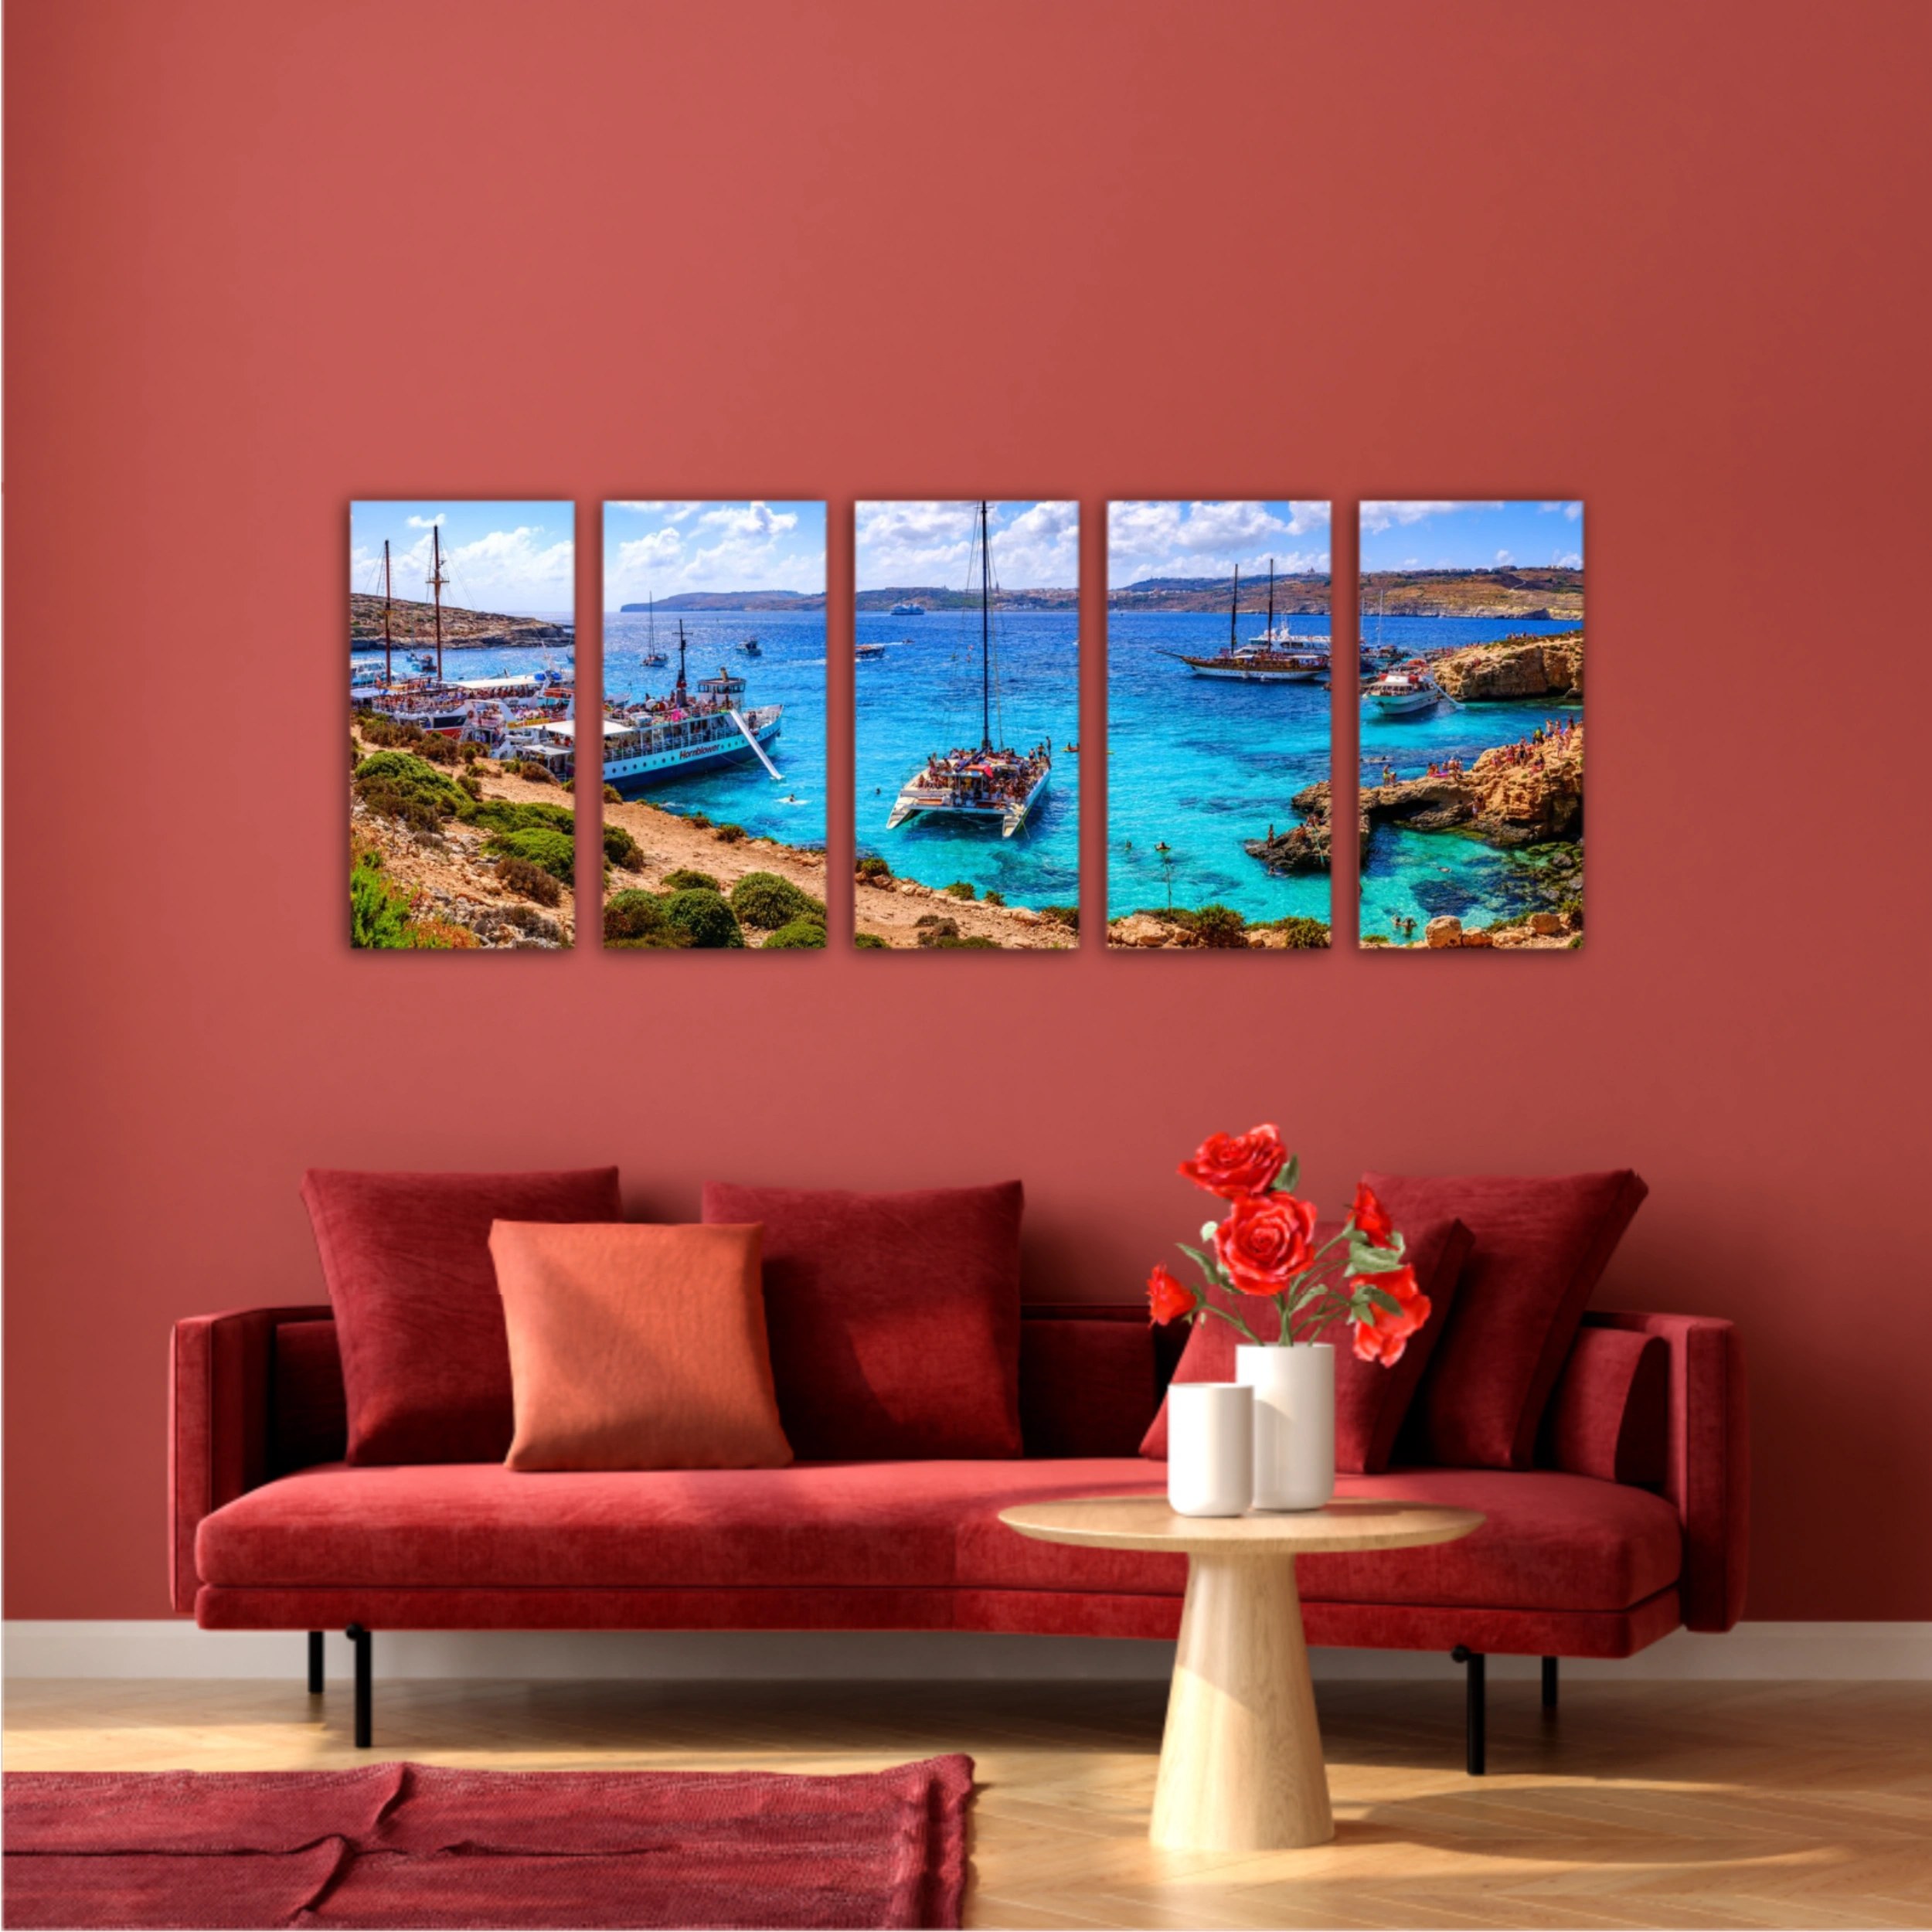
(637, 1347)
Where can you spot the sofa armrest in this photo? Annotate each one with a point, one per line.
(220, 1373)
(1707, 1472)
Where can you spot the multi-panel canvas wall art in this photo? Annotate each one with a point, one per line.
(714, 725)
(462, 649)
(1472, 724)
(1218, 701)
(966, 670)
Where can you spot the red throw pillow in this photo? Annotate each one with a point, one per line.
(426, 1366)
(1370, 1401)
(1542, 1243)
(894, 1318)
(637, 1348)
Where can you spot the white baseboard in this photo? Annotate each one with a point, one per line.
(170, 1647)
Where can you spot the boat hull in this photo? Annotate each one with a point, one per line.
(1245, 673)
(640, 772)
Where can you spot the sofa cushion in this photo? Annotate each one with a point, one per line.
(1610, 1414)
(1542, 1243)
(637, 1348)
(1552, 1541)
(426, 1367)
(1370, 1401)
(894, 1318)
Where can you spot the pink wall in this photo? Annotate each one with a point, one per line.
(264, 260)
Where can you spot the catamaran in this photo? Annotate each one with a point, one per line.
(1265, 659)
(661, 738)
(994, 783)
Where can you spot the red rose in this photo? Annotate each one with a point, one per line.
(1265, 1239)
(1167, 1298)
(1232, 1165)
(1372, 1217)
(1382, 1334)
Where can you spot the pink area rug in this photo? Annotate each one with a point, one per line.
(409, 1844)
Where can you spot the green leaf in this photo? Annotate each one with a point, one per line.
(1284, 1181)
(1207, 1231)
(1382, 1299)
(1365, 1258)
(1200, 1261)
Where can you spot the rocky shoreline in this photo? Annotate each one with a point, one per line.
(1514, 669)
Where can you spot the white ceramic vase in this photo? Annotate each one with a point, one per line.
(1210, 1448)
(1293, 1422)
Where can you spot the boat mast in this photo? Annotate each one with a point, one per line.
(1270, 600)
(437, 581)
(681, 689)
(1234, 606)
(389, 676)
(985, 636)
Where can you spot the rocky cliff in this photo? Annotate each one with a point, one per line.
(1529, 667)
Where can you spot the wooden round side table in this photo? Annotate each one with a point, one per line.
(1241, 1767)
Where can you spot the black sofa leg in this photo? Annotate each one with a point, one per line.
(315, 1663)
(1549, 1683)
(360, 1638)
(1474, 1662)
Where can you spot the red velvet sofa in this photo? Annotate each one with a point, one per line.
(1637, 1526)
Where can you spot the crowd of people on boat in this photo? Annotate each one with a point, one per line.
(984, 777)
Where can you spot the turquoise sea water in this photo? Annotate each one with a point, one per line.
(1422, 875)
(1204, 764)
(924, 697)
(791, 672)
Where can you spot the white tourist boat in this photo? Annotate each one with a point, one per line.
(690, 730)
(989, 784)
(1274, 658)
(1403, 690)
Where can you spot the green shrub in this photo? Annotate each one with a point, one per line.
(470, 784)
(621, 849)
(612, 796)
(1300, 934)
(532, 881)
(764, 899)
(555, 851)
(685, 878)
(509, 815)
(400, 786)
(932, 922)
(953, 942)
(727, 835)
(378, 913)
(870, 942)
(959, 889)
(700, 821)
(798, 936)
(873, 870)
(1067, 916)
(991, 898)
(1220, 926)
(705, 916)
(637, 918)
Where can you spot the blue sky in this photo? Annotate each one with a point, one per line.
(1207, 540)
(661, 549)
(519, 558)
(1471, 536)
(1036, 546)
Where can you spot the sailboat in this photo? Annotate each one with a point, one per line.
(651, 654)
(666, 737)
(1265, 659)
(993, 782)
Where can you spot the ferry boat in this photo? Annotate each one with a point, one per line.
(1404, 690)
(992, 783)
(868, 650)
(662, 738)
(1263, 660)
(909, 610)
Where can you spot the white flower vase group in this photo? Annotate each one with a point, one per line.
(1265, 1441)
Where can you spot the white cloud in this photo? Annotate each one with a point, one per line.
(675, 510)
(1207, 539)
(518, 569)
(930, 543)
(1379, 516)
(427, 522)
(749, 519)
(1572, 511)
(1570, 560)
(1503, 556)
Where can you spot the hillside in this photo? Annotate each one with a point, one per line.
(414, 624)
(935, 599)
(733, 600)
(1472, 593)
(1305, 594)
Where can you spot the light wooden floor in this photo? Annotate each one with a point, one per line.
(1641, 1805)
